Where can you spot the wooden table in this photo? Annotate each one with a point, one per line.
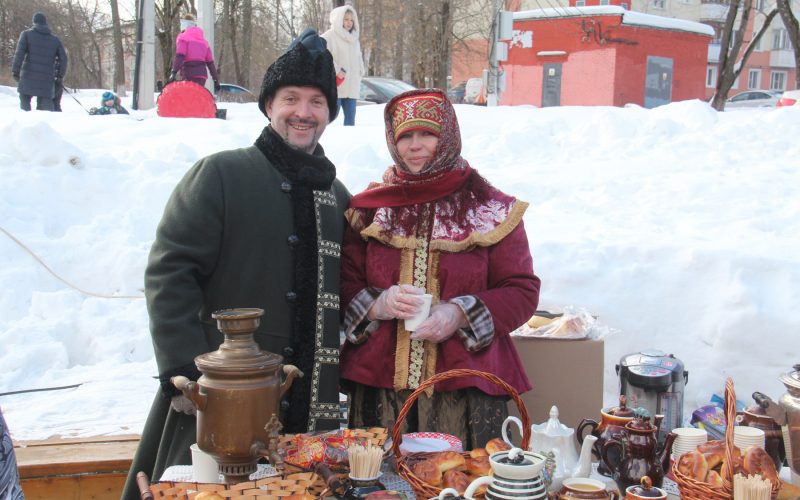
(75, 468)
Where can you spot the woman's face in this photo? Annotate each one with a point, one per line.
(348, 21)
(416, 148)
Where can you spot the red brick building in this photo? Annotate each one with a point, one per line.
(604, 55)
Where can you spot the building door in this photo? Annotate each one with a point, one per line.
(658, 83)
(551, 85)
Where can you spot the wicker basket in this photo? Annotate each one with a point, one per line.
(420, 487)
(691, 488)
(269, 488)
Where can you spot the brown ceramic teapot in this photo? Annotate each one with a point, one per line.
(238, 396)
(612, 421)
(637, 452)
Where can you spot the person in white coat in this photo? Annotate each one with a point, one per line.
(343, 44)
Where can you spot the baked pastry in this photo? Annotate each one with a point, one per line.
(478, 452)
(426, 470)
(758, 461)
(714, 479)
(479, 466)
(208, 495)
(496, 444)
(693, 464)
(447, 460)
(456, 480)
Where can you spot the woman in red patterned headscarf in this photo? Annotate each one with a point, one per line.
(434, 225)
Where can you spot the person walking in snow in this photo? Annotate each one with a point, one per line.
(193, 55)
(34, 66)
(110, 104)
(343, 44)
(260, 227)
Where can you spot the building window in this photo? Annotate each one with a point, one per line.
(711, 77)
(659, 4)
(779, 39)
(778, 80)
(580, 3)
(604, 2)
(754, 79)
(624, 5)
(759, 4)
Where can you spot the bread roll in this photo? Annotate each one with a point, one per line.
(447, 460)
(426, 470)
(693, 464)
(496, 444)
(714, 479)
(479, 466)
(478, 452)
(208, 495)
(758, 461)
(456, 480)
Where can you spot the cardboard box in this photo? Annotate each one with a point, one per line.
(565, 373)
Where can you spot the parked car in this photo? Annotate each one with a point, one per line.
(379, 90)
(754, 99)
(456, 94)
(789, 98)
(229, 92)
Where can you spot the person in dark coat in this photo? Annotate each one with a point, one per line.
(260, 227)
(34, 65)
(10, 488)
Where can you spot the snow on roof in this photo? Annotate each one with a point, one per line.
(628, 17)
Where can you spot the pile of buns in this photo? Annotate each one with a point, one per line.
(706, 463)
(449, 469)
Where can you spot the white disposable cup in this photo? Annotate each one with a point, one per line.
(744, 437)
(413, 323)
(204, 467)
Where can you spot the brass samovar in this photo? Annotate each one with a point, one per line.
(238, 396)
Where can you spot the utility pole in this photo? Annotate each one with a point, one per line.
(491, 81)
(145, 70)
(205, 21)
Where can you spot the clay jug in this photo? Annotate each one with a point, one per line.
(612, 421)
(637, 453)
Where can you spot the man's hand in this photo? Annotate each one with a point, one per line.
(397, 301)
(16, 76)
(172, 77)
(181, 404)
(443, 322)
(217, 86)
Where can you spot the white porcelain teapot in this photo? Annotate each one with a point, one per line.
(553, 436)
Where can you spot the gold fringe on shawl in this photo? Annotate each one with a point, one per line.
(403, 349)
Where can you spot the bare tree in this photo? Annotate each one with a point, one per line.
(167, 15)
(119, 53)
(730, 66)
(793, 27)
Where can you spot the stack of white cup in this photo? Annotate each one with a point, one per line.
(745, 437)
(688, 439)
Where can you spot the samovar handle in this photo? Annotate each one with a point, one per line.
(191, 390)
(291, 372)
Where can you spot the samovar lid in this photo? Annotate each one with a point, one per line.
(792, 379)
(239, 353)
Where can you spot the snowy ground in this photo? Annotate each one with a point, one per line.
(677, 226)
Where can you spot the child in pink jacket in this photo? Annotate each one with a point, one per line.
(192, 55)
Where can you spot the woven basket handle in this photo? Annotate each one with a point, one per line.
(461, 372)
(730, 418)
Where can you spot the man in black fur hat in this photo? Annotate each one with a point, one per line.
(40, 63)
(254, 227)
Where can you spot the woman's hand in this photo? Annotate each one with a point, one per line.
(443, 322)
(397, 301)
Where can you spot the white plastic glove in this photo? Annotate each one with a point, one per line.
(443, 322)
(397, 301)
(182, 404)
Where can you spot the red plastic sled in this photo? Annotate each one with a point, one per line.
(185, 99)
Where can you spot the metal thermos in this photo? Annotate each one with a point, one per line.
(654, 380)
